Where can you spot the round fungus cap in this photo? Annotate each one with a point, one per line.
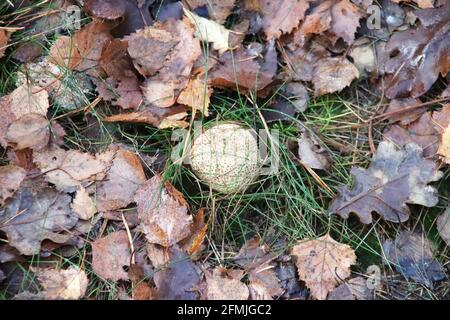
(226, 157)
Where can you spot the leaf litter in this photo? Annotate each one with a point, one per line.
(159, 65)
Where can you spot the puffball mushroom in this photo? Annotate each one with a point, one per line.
(226, 157)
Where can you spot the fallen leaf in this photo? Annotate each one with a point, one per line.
(105, 9)
(209, 31)
(253, 254)
(218, 10)
(158, 117)
(149, 47)
(416, 57)
(443, 226)
(408, 116)
(312, 153)
(11, 177)
(110, 255)
(68, 284)
(83, 205)
(137, 16)
(264, 284)
(122, 180)
(193, 243)
(339, 17)
(394, 178)
(115, 60)
(124, 92)
(163, 212)
(35, 213)
(281, 17)
(353, 289)
(179, 280)
(196, 95)
(29, 131)
(68, 169)
(223, 284)
(323, 263)
(29, 99)
(332, 75)
(419, 132)
(242, 70)
(303, 59)
(412, 255)
(64, 53)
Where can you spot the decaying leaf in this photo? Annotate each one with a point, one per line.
(68, 284)
(419, 131)
(124, 92)
(11, 177)
(36, 213)
(412, 255)
(264, 284)
(29, 131)
(218, 10)
(159, 117)
(241, 69)
(122, 180)
(196, 95)
(223, 284)
(353, 289)
(209, 31)
(163, 212)
(333, 75)
(281, 17)
(394, 178)
(164, 53)
(180, 279)
(416, 57)
(110, 255)
(69, 169)
(253, 254)
(340, 17)
(105, 9)
(323, 263)
(443, 226)
(29, 99)
(193, 243)
(312, 153)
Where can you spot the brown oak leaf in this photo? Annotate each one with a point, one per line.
(323, 263)
(394, 178)
(339, 17)
(281, 17)
(416, 57)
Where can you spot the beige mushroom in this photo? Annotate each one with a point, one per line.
(226, 157)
